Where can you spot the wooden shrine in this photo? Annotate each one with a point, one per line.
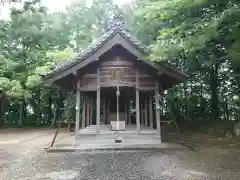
(115, 83)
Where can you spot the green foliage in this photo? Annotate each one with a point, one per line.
(32, 43)
(59, 57)
(201, 37)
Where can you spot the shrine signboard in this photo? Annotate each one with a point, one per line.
(117, 74)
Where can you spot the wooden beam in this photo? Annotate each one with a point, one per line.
(157, 110)
(151, 111)
(88, 89)
(137, 103)
(98, 104)
(93, 76)
(121, 84)
(122, 63)
(84, 113)
(78, 96)
(146, 113)
(147, 88)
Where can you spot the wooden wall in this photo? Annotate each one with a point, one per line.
(146, 81)
(88, 82)
(106, 67)
(89, 78)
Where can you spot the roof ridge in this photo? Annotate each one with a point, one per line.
(93, 46)
(135, 40)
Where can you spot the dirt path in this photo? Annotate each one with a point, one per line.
(22, 157)
(16, 144)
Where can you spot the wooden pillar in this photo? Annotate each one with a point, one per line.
(91, 111)
(104, 110)
(78, 96)
(84, 113)
(137, 103)
(98, 114)
(157, 110)
(151, 111)
(88, 112)
(126, 113)
(141, 114)
(118, 93)
(108, 111)
(146, 112)
(129, 113)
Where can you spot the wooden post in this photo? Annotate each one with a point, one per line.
(146, 113)
(104, 110)
(129, 113)
(118, 93)
(78, 96)
(151, 111)
(157, 110)
(88, 112)
(108, 111)
(84, 113)
(98, 114)
(126, 113)
(141, 114)
(91, 111)
(137, 103)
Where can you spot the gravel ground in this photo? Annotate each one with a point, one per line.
(29, 161)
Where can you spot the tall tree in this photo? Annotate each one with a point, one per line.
(198, 37)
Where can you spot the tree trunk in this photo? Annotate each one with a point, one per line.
(21, 114)
(214, 91)
(226, 110)
(2, 112)
(3, 104)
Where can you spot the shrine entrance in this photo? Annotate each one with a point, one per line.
(113, 107)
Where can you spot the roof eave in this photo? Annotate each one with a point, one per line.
(80, 58)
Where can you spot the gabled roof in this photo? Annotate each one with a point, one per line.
(94, 47)
(97, 44)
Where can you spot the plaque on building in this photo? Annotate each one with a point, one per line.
(117, 74)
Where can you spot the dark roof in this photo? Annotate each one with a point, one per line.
(101, 41)
(96, 45)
